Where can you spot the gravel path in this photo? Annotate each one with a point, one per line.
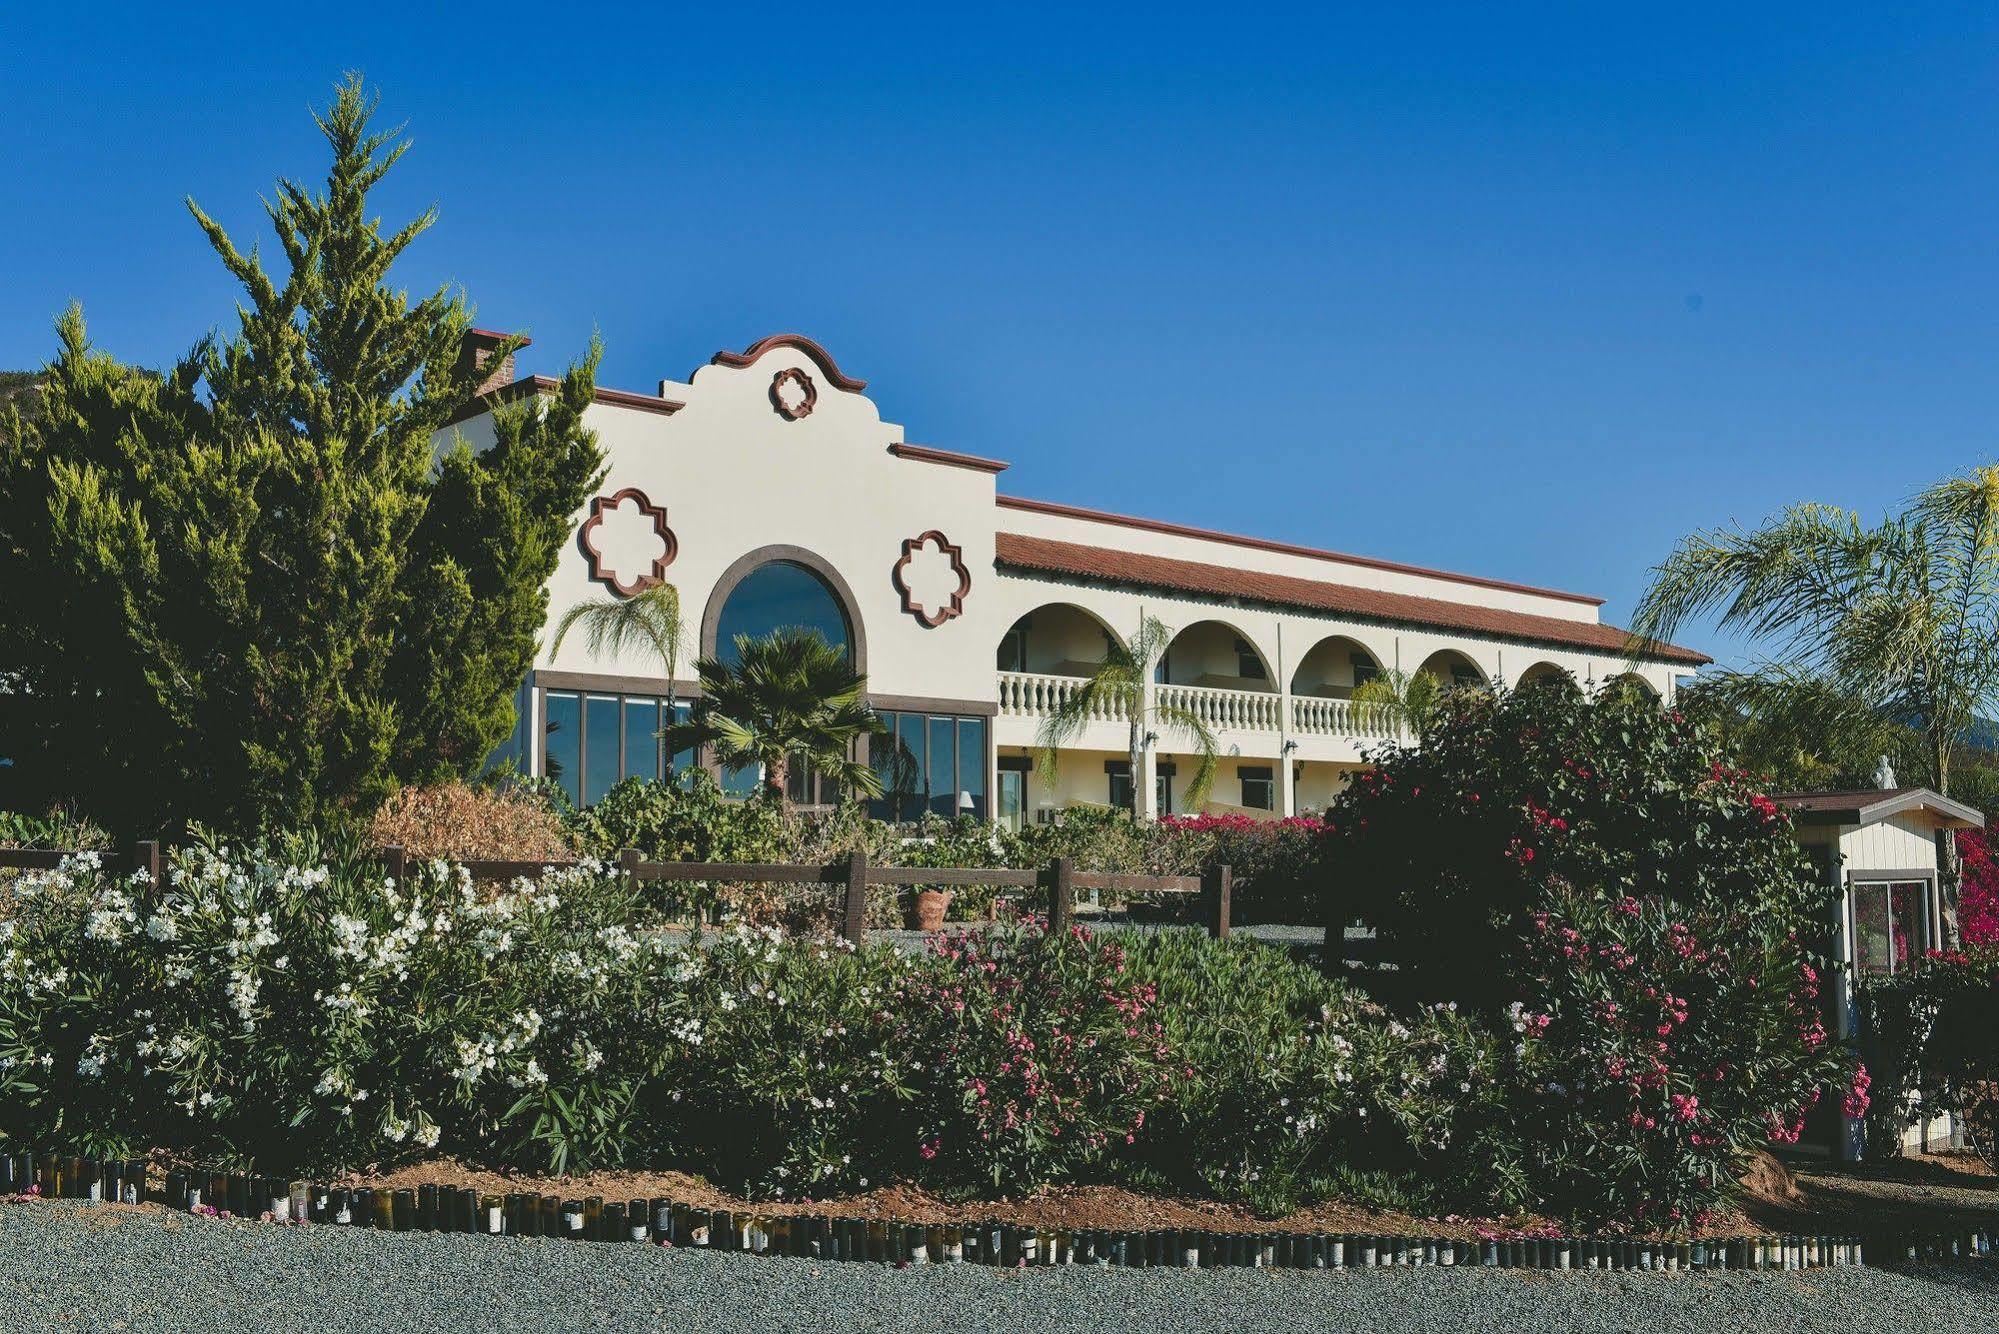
(70, 1267)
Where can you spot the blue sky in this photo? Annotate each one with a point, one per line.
(1524, 291)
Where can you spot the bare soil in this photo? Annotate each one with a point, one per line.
(1934, 1191)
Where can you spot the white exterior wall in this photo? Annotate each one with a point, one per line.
(735, 476)
(1898, 843)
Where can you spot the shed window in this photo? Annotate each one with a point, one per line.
(1891, 924)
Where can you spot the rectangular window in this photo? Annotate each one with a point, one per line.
(1364, 671)
(1013, 798)
(1891, 924)
(942, 768)
(641, 738)
(972, 766)
(1259, 788)
(562, 742)
(1118, 774)
(602, 757)
(687, 759)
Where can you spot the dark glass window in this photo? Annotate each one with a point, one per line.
(602, 767)
(641, 738)
(563, 741)
(1259, 788)
(780, 595)
(929, 762)
(1247, 665)
(942, 769)
(1364, 669)
(972, 764)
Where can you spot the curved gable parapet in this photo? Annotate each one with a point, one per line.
(798, 343)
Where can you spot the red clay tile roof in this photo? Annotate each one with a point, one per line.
(1127, 567)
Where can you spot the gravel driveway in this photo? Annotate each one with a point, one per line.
(71, 1267)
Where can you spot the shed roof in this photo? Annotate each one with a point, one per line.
(1872, 804)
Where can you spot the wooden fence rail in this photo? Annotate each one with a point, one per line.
(145, 857)
(855, 874)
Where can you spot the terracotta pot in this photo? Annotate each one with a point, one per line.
(931, 905)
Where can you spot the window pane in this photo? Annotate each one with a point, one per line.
(688, 759)
(909, 738)
(641, 738)
(741, 780)
(600, 746)
(564, 732)
(1870, 927)
(1911, 923)
(893, 766)
(1012, 798)
(942, 768)
(776, 595)
(972, 762)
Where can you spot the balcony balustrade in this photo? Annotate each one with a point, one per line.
(1033, 695)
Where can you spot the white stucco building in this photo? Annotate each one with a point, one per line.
(768, 490)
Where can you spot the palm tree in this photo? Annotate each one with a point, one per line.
(1901, 619)
(649, 620)
(789, 696)
(1118, 689)
(1410, 698)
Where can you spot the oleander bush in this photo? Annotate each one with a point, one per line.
(1290, 1080)
(1045, 1056)
(286, 1003)
(1446, 847)
(467, 823)
(1933, 1046)
(1659, 1046)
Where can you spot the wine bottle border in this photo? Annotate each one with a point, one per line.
(655, 1220)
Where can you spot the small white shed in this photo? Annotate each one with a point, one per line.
(1879, 847)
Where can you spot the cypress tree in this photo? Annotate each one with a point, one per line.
(272, 583)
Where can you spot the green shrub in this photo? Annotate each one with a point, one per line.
(1044, 1056)
(1289, 1078)
(1932, 1047)
(1444, 848)
(797, 1080)
(1659, 1046)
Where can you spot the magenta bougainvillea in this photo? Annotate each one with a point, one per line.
(1978, 889)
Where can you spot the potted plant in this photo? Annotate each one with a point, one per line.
(930, 905)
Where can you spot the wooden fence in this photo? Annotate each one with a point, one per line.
(146, 856)
(855, 874)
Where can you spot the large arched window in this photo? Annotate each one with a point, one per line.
(774, 588)
(781, 594)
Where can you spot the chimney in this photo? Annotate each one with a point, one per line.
(478, 348)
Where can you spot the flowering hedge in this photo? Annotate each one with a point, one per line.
(1295, 1085)
(1978, 889)
(271, 1005)
(1049, 1055)
(1661, 1045)
(1446, 847)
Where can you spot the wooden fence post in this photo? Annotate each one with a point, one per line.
(628, 866)
(1217, 883)
(397, 860)
(148, 860)
(854, 925)
(1061, 894)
